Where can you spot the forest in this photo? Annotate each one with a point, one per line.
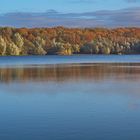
(68, 41)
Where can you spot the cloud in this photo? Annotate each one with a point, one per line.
(89, 1)
(81, 1)
(103, 18)
(132, 1)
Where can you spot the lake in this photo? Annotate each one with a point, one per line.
(85, 97)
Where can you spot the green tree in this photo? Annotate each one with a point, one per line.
(19, 41)
(12, 49)
(2, 46)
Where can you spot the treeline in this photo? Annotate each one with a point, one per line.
(67, 41)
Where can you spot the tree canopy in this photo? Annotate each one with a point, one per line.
(68, 41)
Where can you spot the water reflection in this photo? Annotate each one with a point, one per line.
(68, 102)
(73, 72)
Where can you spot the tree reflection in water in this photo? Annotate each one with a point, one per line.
(69, 72)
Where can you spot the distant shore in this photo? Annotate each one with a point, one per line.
(68, 41)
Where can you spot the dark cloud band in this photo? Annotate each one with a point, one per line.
(105, 18)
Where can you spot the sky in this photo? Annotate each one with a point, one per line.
(64, 5)
(73, 13)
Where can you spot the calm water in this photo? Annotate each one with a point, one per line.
(94, 98)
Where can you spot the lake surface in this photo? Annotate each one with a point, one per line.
(70, 97)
